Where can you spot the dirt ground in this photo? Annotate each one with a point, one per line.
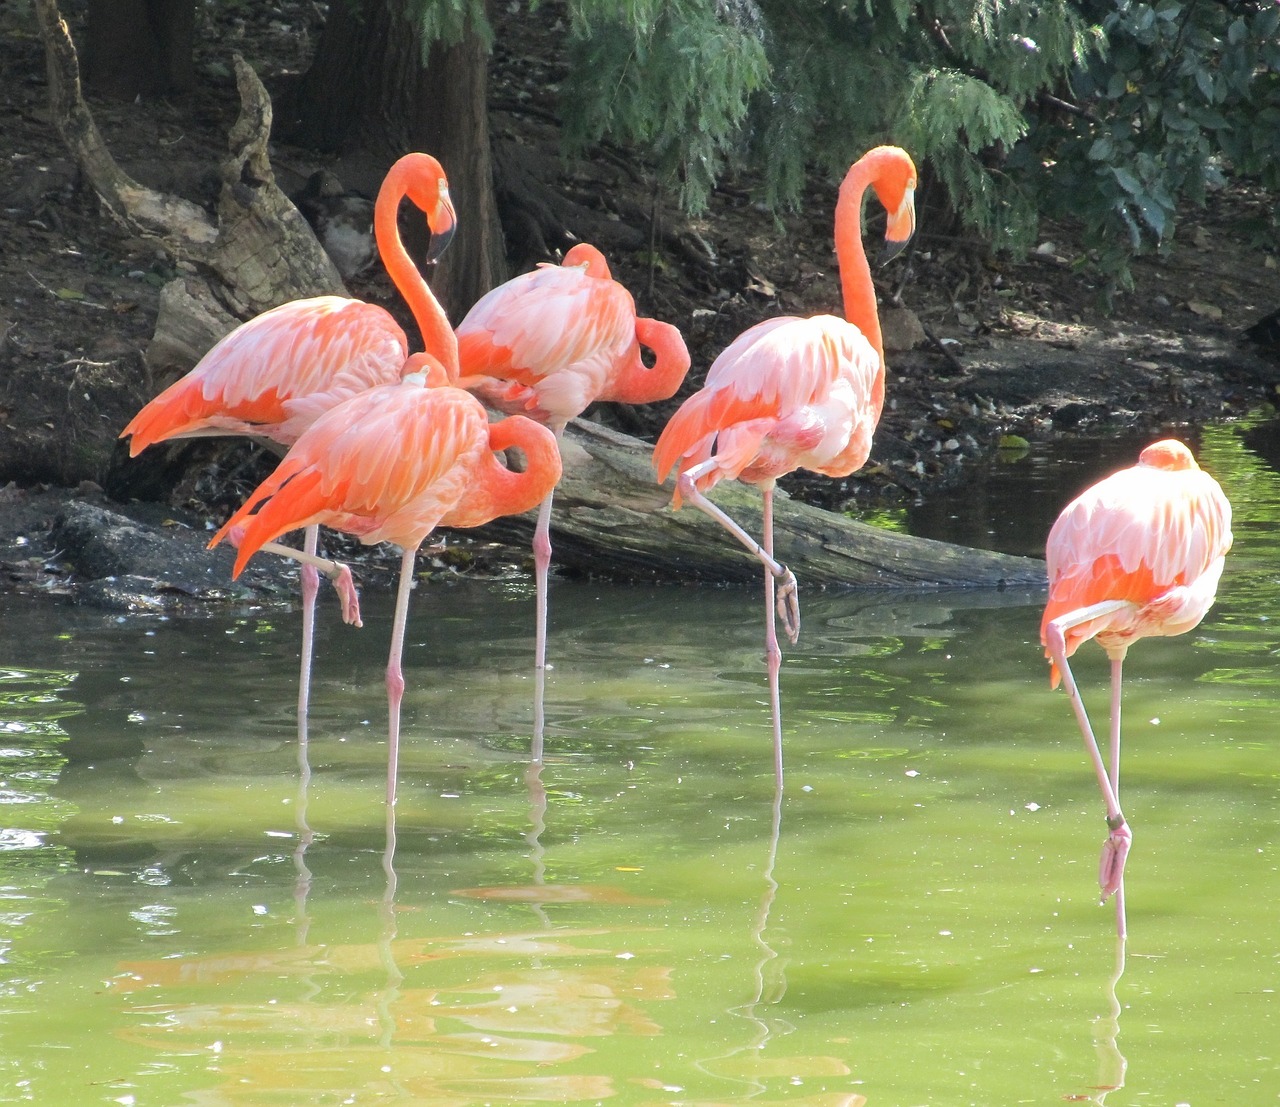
(1019, 347)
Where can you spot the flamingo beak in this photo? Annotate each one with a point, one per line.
(901, 225)
(443, 221)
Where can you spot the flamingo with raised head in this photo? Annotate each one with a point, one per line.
(390, 465)
(548, 344)
(794, 393)
(273, 376)
(1137, 555)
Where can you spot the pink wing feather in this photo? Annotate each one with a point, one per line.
(386, 465)
(1152, 536)
(787, 393)
(274, 375)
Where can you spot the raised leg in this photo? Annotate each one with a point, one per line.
(788, 602)
(338, 574)
(395, 673)
(1116, 848)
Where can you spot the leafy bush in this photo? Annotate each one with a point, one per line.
(1110, 111)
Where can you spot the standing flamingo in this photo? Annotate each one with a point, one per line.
(274, 375)
(549, 343)
(390, 465)
(1137, 555)
(794, 393)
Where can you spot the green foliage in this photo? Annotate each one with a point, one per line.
(448, 20)
(798, 86)
(1112, 112)
(1187, 91)
(674, 78)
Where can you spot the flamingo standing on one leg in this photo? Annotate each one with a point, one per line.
(795, 393)
(1137, 555)
(390, 465)
(274, 375)
(548, 344)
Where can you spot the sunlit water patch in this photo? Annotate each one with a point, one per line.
(200, 907)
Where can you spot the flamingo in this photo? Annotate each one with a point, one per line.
(794, 393)
(1137, 555)
(549, 343)
(274, 375)
(390, 465)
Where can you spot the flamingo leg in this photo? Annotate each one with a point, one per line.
(338, 574)
(772, 651)
(310, 586)
(395, 672)
(1116, 848)
(788, 601)
(541, 570)
(1117, 667)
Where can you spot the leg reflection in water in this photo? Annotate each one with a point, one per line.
(1111, 1062)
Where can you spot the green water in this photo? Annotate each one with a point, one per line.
(196, 909)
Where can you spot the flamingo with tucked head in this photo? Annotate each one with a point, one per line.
(551, 342)
(1139, 554)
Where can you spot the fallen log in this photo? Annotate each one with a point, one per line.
(611, 519)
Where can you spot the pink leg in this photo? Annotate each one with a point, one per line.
(788, 602)
(541, 569)
(1117, 667)
(772, 651)
(395, 674)
(310, 586)
(1116, 848)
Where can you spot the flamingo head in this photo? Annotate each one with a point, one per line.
(1169, 454)
(421, 179)
(427, 368)
(591, 259)
(894, 181)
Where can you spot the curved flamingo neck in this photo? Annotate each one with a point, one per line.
(855, 274)
(637, 384)
(503, 491)
(432, 321)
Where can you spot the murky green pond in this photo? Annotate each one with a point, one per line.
(196, 908)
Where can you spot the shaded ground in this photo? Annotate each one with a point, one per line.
(1016, 348)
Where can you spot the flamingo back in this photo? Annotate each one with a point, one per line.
(788, 393)
(274, 375)
(548, 342)
(385, 466)
(1153, 536)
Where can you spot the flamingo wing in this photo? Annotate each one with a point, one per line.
(385, 466)
(1150, 537)
(547, 341)
(274, 375)
(786, 393)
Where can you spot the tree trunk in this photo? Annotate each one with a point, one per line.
(367, 91)
(140, 47)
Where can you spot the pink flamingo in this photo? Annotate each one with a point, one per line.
(273, 376)
(1137, 555)
(390, 465)
(549, 343)
(794, 393)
